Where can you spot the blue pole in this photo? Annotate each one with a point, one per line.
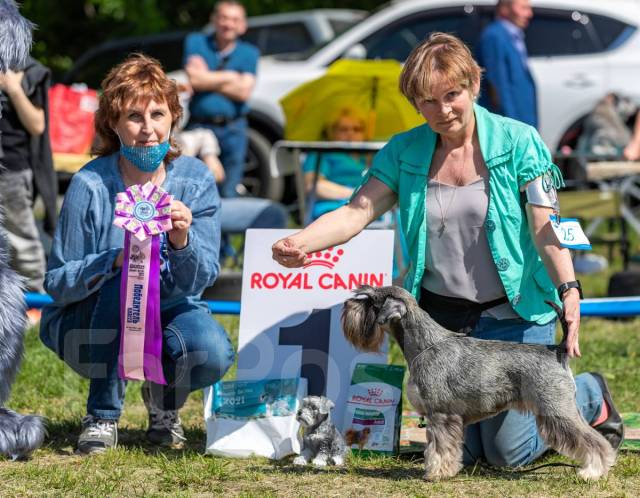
(35, 300)
(619, 306)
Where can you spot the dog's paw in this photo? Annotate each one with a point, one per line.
(430, 478)
(319, 461)
(299, 460)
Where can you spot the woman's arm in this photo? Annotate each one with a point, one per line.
(78, 266)
(632, 150)
(557, 261)
(336, 227)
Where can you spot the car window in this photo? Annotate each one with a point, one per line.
(280, 38)
(168, 52)
(554, 32)
(612, 33)
(397, 41)
(339, 26)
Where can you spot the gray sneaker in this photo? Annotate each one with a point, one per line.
(98, 435)
(165, 427)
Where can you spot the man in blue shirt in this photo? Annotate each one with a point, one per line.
(221, 70)
(508, 87)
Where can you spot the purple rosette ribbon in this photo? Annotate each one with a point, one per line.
(144, 212)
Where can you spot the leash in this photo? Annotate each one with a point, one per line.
(503, 470)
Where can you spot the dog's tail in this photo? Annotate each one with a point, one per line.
(20, 435)
(563, 355)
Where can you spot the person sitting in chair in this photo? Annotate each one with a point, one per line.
(338, 173)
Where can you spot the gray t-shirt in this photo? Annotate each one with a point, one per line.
(458, 259)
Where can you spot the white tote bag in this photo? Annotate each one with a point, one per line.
(254, 417)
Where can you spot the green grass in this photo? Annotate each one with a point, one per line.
(46, 386)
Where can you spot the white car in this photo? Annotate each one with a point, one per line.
(579, 50)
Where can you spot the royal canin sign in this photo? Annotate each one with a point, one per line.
(306, 280)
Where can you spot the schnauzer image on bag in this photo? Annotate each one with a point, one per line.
(254, 417)
(374, 408)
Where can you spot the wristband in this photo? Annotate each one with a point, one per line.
(575, 284)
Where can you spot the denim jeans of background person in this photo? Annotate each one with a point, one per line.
(25, 163)
(237, 214)
(508, 87)
(221, 70)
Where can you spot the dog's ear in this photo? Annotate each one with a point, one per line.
(326, 406)
(392, 309)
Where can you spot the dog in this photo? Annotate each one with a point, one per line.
(322, 443)
(353, 436)
(444, 372)
(605, 129)
(19, 435)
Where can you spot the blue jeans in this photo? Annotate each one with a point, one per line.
(233, 142)
(241, 213)
(511, 438)
(196, 351)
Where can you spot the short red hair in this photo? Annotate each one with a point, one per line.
(139, 79)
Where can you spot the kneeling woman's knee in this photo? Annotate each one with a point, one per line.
(211, 357)
(509, 454)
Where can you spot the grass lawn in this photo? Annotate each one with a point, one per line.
(47, 387)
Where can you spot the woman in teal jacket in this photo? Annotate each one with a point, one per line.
(483, 260)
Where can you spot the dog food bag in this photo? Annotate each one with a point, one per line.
(254, 417)
(374, 408)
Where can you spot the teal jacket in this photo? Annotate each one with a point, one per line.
(514, 155)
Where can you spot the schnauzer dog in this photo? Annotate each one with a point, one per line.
(457, 380)
(322, 443)
(19, 435)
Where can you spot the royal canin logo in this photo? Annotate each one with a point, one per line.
(375, 392)
(328, 259)
(309, 279)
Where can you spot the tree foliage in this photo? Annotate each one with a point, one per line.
(66, 28)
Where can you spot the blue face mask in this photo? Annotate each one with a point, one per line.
(146, 158)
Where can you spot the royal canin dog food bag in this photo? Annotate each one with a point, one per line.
(374, 409)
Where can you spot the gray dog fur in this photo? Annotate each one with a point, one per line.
(457, 380)
(322, 443)
(19, 435)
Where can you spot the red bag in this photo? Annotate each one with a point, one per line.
(71, 110)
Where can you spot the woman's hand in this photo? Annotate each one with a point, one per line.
(288, 253)
(571, 305)
(181, 220)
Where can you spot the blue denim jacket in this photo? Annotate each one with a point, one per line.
(86, 242)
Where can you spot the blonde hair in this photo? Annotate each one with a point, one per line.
(440, 56)
(345, 112)
(139, 78)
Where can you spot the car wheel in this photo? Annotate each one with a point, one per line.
(258, 180)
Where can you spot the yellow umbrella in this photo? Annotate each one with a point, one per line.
(369, 86)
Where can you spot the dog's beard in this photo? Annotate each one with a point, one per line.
(360, 327)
